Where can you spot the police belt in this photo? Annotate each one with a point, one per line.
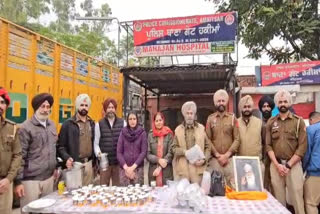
(282, 161)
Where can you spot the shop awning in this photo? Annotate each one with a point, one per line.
(183, 79)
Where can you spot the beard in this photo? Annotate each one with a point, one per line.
(221, 108)
(111, 115)
(246, 113)
(83, 112)
(42, 116)
(283, 109)
(189, 121)
(266, 114)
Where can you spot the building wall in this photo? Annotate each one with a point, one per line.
(171, 105)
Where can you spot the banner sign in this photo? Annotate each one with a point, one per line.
(205, 34)
(302, 73)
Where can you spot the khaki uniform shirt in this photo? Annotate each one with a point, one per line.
(286, 137)
(10, 150)
(250, 137)
(85, 147)
(223, 132)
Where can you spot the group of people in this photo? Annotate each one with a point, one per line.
(28, 154)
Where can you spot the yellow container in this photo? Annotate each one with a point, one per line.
(61, 187)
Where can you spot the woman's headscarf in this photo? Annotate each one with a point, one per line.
(164, 130)
(131, 134)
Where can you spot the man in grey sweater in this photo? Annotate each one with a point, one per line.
(38, 137)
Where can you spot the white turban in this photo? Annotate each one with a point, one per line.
(245, 100)
(83, 98)
(282, 94)
(190, 105)
(220, 93)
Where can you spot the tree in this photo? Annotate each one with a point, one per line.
(262, 22)
(20, 11)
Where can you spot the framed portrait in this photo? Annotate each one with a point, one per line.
(247, 173)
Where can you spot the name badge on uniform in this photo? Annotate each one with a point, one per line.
(275, 125)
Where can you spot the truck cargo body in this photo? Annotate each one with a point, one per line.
(32, 64)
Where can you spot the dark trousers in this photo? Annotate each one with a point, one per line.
(112, 173)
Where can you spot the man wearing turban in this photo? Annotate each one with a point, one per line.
(38, 138)
(250, 131)
(222, 129)
(266, 105)
(286, 144)
(10, 155)
(107, 132)
(76, 139)
(188, 136)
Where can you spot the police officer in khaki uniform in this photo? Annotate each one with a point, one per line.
(286, 144)
(222, 129)
(10, 155)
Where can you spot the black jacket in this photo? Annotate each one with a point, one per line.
(109, 138)
(68, 143)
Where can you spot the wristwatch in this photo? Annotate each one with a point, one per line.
(288, 166)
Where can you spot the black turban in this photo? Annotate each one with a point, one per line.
(41, 98)
(266, 99)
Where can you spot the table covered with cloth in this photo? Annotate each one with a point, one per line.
(216, 205)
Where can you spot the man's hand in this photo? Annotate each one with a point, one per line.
(69, 163)
(19, 190)
(4, 185)
(223, 160)
(217, 155)
(156, 172)
(286, 170)
(282, 170)
(199, 162)
(163, 162)
(56, 174)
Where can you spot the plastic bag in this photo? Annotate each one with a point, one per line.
(104, 162)
(183, 194)
(195, 153)
(206, 182)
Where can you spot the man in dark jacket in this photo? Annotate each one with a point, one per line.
(38, 137)
(107, 132)
(76, 139)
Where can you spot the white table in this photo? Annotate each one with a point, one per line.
(216, 205)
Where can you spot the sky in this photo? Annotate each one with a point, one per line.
(129, 10)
